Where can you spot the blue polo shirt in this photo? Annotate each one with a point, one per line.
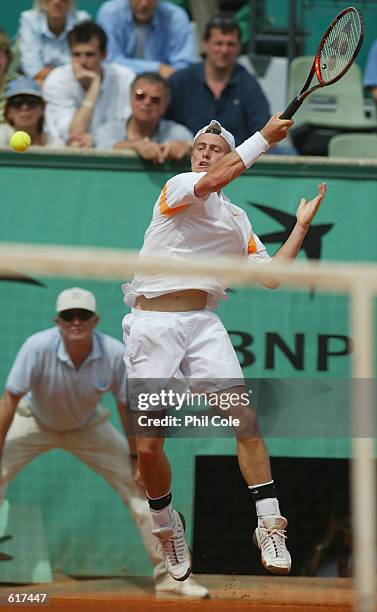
(242, 107)
(62, 397)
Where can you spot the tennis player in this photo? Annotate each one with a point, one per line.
(173, 334)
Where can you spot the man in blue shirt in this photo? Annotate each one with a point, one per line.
(219, 88)
(147, 35)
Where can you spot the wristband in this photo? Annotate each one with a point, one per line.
(252, 148)
(87, 104)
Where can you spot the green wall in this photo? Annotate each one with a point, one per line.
(90, 200)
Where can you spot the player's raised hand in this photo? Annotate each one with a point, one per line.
(276, 129)
(306, 211)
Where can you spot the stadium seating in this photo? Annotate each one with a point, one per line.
(354, 145)
(328, 111)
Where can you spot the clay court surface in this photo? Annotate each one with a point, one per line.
(255, 593)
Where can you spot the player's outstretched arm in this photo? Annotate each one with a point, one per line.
(234, 163)
(305, 214)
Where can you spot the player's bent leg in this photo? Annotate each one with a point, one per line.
(269, 536)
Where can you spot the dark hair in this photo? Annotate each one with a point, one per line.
(84, 31)
(155, 79)
(225, 23)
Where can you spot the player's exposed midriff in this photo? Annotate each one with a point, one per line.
(178, 301)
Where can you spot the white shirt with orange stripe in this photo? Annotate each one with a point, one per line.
(184, 225)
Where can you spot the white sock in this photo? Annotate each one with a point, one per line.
(267, 507)
(163, 518)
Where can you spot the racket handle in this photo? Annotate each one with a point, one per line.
(291, 109)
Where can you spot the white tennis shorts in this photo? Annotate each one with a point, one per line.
(180, 350)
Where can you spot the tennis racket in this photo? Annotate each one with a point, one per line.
(337, 51)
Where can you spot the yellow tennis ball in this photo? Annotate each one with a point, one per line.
(20, 141)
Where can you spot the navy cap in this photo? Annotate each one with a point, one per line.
(23, 85)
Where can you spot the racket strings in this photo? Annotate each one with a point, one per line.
(340, 46)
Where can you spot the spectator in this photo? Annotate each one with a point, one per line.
(144, 131)
(42, 36)
(86, 93)
(5, 60)
(370, 76)
(148, 35)
(24, 110)
(224, 90)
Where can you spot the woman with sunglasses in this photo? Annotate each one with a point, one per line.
(42, 36)
(24, 110)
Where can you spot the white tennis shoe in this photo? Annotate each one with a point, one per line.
(270, 538)
(176, 553)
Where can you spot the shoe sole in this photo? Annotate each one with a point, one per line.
(273, 569)
(189, 569)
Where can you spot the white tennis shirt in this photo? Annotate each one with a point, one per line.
(184, 225)
(62, 397)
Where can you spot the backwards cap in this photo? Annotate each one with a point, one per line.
(216, 128)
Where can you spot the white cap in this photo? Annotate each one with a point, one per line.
(75, 298)
(217, 128)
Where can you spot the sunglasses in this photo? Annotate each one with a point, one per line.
(19, 101)
(141, 95)
(80, 313)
